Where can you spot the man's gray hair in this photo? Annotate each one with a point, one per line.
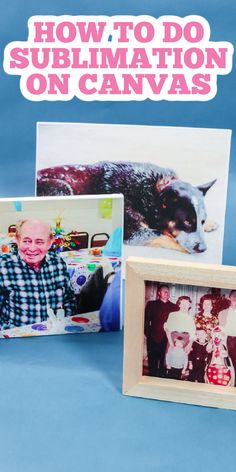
(20, 223)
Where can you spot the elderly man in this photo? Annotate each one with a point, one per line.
(227, 321)
(32, 281)
(156, 315)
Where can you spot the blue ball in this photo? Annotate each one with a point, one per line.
(81, 280)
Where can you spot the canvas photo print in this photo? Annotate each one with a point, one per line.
(190, 333)
(60, 265)
(174, 181)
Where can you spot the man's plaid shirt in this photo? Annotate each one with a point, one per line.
(26, 295)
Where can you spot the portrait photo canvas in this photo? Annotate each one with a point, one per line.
(60, 265)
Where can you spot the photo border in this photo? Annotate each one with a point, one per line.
(139, 270)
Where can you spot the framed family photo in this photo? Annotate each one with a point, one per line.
(180, 332)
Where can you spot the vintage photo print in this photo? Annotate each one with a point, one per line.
(174, 181)
(60, 265)
(190, 333)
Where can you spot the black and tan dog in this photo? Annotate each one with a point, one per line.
(160, 209)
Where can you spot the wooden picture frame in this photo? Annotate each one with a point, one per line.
(138, 272)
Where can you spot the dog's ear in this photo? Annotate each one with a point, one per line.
(164, 182)
(205, 187)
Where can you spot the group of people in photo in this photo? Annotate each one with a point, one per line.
(192, 341)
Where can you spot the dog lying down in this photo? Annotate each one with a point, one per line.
(160, 209)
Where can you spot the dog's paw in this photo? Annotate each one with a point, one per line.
(165, 242)
(210, 225)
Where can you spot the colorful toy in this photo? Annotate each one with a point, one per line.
(7, 244)
(220, 370)
(96, 251)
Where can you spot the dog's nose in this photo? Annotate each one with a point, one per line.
(199, 247)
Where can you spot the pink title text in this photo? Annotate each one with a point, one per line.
(118, 58)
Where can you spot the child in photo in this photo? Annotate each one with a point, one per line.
(199, 356)
(177, 359)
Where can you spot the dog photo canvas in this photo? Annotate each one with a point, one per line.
(60, 265)
(174, 181)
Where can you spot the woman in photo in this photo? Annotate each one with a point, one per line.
(207, 317)
(180, 323)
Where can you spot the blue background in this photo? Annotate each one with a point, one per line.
(60, 397)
